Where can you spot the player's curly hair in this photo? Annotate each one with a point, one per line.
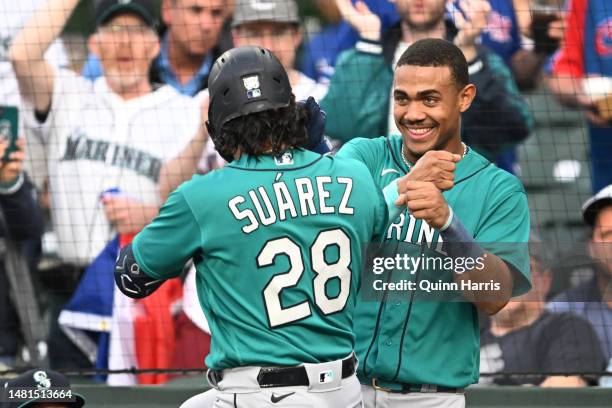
(272, 131)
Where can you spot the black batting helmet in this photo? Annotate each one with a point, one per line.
(243, 81)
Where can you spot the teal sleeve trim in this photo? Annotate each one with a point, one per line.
(391, 195)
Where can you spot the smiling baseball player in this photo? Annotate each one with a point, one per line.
(276, 238)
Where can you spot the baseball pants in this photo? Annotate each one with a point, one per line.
(373, 398)
(240, 388)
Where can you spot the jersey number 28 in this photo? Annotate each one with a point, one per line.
(324, 271)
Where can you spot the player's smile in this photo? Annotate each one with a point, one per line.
(420, 133)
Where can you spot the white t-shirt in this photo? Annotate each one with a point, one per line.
(95, 141)
(13, 14)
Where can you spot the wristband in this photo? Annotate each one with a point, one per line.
(13, 186)
(391, 195)
(448, 220)
(475, 66)
(369, 46)
(459, 242)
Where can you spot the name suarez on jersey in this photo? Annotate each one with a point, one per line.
(312, 198)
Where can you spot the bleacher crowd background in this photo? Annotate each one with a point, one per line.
(96, 168)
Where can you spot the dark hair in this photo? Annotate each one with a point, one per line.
(255, 134)
(434, 52)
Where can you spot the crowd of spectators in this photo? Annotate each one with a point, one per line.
(108, 143)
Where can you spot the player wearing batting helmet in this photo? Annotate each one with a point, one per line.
(276, 239)
(459, 207)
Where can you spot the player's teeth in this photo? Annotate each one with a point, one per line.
(421, 131)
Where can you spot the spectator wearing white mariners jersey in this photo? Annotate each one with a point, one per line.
(117, 132)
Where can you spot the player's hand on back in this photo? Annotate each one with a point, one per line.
(425, 202)
(435, 166)
(360, 17)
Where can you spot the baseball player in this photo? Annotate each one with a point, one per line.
(276, 239)
(425, 353)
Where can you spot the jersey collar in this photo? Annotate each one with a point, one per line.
(291, 160)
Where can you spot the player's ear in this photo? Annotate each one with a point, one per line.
(466, 96)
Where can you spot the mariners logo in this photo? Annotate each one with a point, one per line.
(251, 84)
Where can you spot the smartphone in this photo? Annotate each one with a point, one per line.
(9, 120)
(542, 16)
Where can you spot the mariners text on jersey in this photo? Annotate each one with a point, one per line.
(262, 208)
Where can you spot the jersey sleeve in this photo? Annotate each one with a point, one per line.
(163, 247)
(360, 149)
(381, 220)
(504, 232)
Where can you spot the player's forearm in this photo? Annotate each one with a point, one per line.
(27, 51)
(492, 285)
(488, 280)
(177, 170)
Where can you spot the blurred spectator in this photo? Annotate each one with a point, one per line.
(20, 219)
(526, 338)
(509, 33)
(359, 98)
(196, 33)
(524, 33)
(277, 28)
(320, 53)
(39, 378)
(592, 299)
(116, 133)
(581, 76)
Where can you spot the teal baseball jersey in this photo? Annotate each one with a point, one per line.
(437, 342)
(277, 245)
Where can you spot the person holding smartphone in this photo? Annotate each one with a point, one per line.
(20, 220)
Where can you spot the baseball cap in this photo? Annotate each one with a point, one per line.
(277, 11)
(107, 9)
(39, 379)
(591, 207)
